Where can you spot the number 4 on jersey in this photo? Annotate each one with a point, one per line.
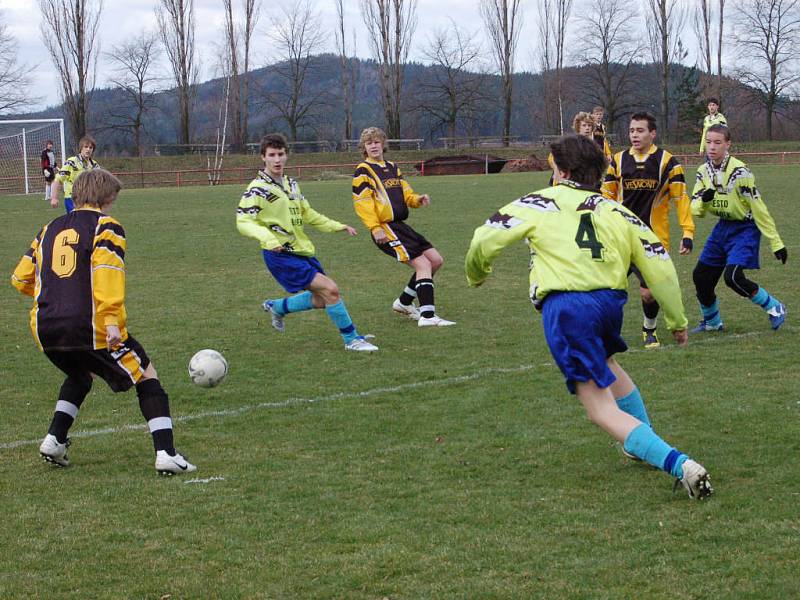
(586, 238)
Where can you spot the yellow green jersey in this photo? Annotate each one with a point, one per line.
(708, 121)
(736, 199)
(580, 242)
(69, 171)
(276, 212)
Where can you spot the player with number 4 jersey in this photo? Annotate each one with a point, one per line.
(583, 245)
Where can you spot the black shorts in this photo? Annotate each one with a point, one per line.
(121, 368)
(404, 243)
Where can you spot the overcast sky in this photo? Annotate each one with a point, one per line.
(127, 18)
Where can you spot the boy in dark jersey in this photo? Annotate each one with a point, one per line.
(382, 198)
(75, 272)
(647, 179)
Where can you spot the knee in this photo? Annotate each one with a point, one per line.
(330, 293)
(730, 276)
(436, 262)
(647, 296)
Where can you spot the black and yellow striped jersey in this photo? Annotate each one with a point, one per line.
(380, 194)
(646, 184)
(75, 272)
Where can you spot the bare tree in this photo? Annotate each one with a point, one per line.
(391, 24)
(666, 20)
(69, 30)
(611, 46)
(296, 36)
(719, 47)
(457, 82)
(768, 41)
(503, 20)
(349, 71)
(133, 62)
(14, 80)
(176, 28)
(702, 29)
(553, 20)
(238, 41)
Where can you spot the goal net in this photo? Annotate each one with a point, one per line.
(21, 145)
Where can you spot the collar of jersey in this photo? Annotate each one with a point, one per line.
(579, 186)
(269, 179)
(380, 163)
(651, 150)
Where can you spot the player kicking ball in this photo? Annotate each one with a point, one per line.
(75, 272)
(274, 212)
(726, 188)
(583, 246)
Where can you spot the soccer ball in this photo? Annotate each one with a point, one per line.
(208, 368)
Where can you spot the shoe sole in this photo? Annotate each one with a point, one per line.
(406, 315)
(55, 461)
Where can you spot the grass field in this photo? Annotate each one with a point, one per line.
(451, 464)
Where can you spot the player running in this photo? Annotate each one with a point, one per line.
(70, 170)
(646, 179)
(584, 245)
(726, 188)
(75, 272)
(275, 212)
(382, 198)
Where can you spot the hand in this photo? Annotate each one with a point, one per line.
(782, 255)
(276, 249)
(708, 195)
(46, 172)
(113, 336)
(380, 237)
(351, 231)
(681, 337)
(425, 200)
(687, 245)
(53, 201)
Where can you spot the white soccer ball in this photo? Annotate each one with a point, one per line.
(208, 368)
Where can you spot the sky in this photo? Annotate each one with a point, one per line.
(127, 19)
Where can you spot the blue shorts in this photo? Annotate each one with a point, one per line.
(293, 272)
(582, 330)
(69, 205)
(733, 243)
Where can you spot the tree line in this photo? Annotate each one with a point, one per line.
(592, 51)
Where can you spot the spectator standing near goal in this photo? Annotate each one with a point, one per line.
(584, 244)
(726, 188)
(275, 212)
(49, 166)
(646, 179)
(714, 117)
(71, 169)
(75, 272)
(381, 198)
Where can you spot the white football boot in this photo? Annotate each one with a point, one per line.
(434, 321)
(406, 310)
(360, 344)
(54, 452)
(172, 465)
(695, 480)
(277, 320)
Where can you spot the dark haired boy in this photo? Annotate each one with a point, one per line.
(275, 212)
(583, 244)
(75, 272)
(646, 179)
(714, 117)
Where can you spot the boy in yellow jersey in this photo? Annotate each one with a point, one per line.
(75, 272)
(726, 188)
(381, 198)
(274, 212)
(714, 117)
(583, 245)
(646, 179)
(69, 171)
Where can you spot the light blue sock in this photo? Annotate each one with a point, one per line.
(341, 318)
(634, 406)
(297, 303)
(711, 314)
(645, 444)
(764, 299)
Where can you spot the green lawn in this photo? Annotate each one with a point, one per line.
(451, 464)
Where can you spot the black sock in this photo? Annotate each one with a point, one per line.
(408, 295)
(650, 310)
(70, 397)
(154, 404)
(425, 294)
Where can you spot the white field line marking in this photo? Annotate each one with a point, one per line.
(206, 480)
(480, 374)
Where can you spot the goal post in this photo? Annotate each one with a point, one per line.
(21, 145)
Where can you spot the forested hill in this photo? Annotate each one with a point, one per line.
(535, 111)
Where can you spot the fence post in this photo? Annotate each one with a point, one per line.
(178, 178)
(486, 164)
